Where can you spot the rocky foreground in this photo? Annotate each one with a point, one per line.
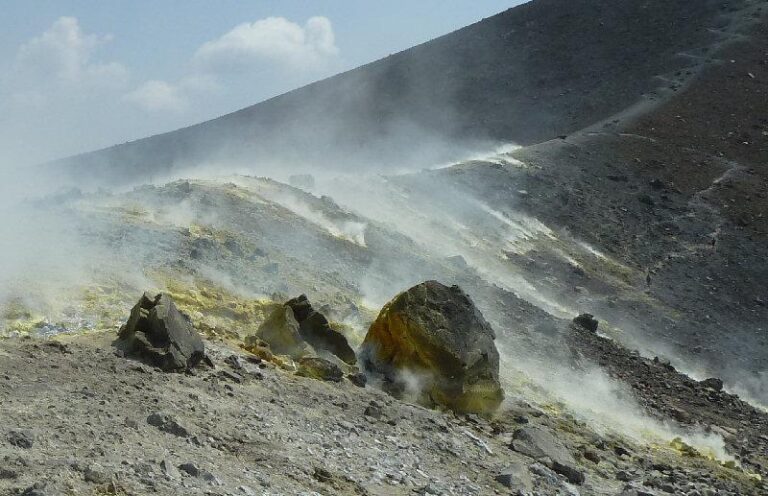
(82, 417)
(647, 210)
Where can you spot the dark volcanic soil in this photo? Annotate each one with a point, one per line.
(546, 68)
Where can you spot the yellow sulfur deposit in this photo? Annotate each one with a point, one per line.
(432, 340)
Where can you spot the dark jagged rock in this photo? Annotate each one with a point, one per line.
(435, 332)
(21, 438)
(587, 321)
(358, 379)
(713, 383)
(315, 330)
(320, 368)
(159, 333)
(516, 477)
(167, 423)
(541, 445)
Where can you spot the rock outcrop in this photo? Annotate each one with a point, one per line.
(435, 333)
(281, 332)
(297, 330)
(317, 332)
(159, 333)
(587, 321)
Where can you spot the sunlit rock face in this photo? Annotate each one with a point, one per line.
(157, 332)
(432, 341)
(281, 332)
(317, 332)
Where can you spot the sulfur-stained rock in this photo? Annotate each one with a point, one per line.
(157, 332)
(281, 332)
(320, 368)
(315, 330)
(435, 333)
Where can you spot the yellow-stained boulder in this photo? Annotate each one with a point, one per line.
(433, 336)
(281, 331)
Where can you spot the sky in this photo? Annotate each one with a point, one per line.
(80, 75)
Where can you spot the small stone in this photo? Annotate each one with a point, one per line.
(373, 410)
(516, 477)
(167, 423)
(359, 379)
(96, 474)
(591, 455)
(322, 475)
(159, 333)
(545, 472)
(234, 362)
(587, 321)
(21, 438)
(37, 489)
(623, 476)
(190, 468)
(574, 475)
(712, 383)
(6, 474)
(169, 470)
(320, 369)
(232, 376)
(621, 451)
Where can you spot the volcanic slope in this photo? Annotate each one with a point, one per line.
(543, 69)
(640, 197)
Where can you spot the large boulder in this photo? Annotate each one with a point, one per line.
(159, 333)
(281, 332)
(435, 334)
(317, 332)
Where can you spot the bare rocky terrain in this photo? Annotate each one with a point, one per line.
(639, 197)
(81, 420)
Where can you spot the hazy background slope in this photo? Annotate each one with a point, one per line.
(646, 141)
(526, 75)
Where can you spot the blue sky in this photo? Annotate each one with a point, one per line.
(78, 75)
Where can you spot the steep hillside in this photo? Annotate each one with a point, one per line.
(677, 192)
(526, 75)
(639, 197)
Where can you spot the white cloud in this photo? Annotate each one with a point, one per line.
(298, 52)
(158, 96)
(62, 55)
(57, 96)
(275, 40)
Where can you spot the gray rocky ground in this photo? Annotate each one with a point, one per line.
(80, 420)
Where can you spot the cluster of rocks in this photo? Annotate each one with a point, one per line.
(666, 393)
(245, 426)
(431, 338)
(431, 331)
